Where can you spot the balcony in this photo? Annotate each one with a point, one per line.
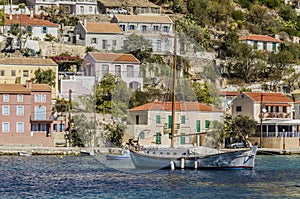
(279, 115)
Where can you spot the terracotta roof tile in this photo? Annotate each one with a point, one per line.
(254, 37)
(167, 106)
(144, 18)
(114, 57)
(103, 28)
(128, 3)
(229, 93)
(20, 88)
(27, 61)
(27, 21)
(268, 97)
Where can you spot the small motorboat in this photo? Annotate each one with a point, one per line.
(125, 154)
(84, 153)
(24, 154)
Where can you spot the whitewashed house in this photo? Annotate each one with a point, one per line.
(101, 36)
(39, 27)
(125, 66)
(261, 42)
(151, 123)
(158, 29)
(78, 7)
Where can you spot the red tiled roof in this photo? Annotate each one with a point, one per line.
(27, 61)
(144, 18)
(268, 97)
(103, 28)
(20, 88)
(254, 37)
(27, 21)
(229, 93)
(167, 106)
(114, 57)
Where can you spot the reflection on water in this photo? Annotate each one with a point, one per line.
(90, 177)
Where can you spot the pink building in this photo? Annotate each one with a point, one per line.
(25, 117)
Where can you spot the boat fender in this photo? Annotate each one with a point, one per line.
(182, 163)
(172, 165)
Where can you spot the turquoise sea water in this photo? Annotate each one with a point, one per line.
(90, 177)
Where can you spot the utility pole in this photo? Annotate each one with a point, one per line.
(261, 118)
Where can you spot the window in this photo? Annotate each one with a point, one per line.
(276, 109)
(105, 69)
(157, 120)
(93, 40)
(265, 45)
(169, 121)
(198, 126)
(25, 73)
(274, 46)
(129, 71)
(158, 138)
(2, 73)
(144, 28)
(123, 27)
(183, 119)
(132, 27)
(35, 127)
(238, 109)
(40, 113)
(255, 45)
(37, 98)
(43, 127)
(155, 28)
(207, 123)
(182, 138)
(158, 46)
(20, 98)
(6, 98)
(5, 127)
(104, 44)
(43, 98)
(118, 70)
(54, 127)
(44, 30)
(284, 110)
(62, 127)
(142, 135)
(137, 119)
(90, 9)
(13, 73)
(81, 9)
(166, 29)
(5, 110)
(20, 127)
(114, 42)
(20, 110)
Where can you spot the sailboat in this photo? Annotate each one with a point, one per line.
(190, 157)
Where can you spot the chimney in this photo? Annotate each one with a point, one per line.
(31, 13)
(28, 84)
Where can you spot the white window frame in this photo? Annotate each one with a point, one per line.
(20, 97)
(5, 130)
(21, 108)
(33, 127)
(5, 97)
(43, 98)
(20, 127)
(4, 110)
(37, 98)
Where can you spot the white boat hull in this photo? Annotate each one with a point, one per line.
(241, 159)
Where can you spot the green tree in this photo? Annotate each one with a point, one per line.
(138, 46)
(44, 77)
(83, 132)
(114, 133)
(242, 127)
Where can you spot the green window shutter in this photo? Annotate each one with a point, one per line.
(198, 127)
(182, 138)
(207, 123)
(170, 121)
(157, 119)
(183, 119)
(274, 46)
(158, 138)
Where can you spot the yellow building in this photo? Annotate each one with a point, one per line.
(18, 70)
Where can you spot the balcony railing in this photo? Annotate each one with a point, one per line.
(276, 115)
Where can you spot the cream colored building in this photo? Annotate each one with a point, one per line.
(18, 70)
(151, 123)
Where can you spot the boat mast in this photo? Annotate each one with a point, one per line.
(174, 89)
